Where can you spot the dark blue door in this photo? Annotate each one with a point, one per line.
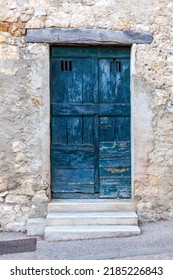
(90, 122)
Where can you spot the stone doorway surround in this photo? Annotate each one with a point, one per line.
(54, 36)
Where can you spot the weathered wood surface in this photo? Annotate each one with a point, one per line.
(18, 246)
(90, 123)
(87, 36)
(90, 109)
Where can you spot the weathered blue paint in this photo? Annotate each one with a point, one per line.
(90, 122)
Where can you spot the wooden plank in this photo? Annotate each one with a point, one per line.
(79, 195)
(74, 130)
(68, 148)
(87, 36)
(73, 109)
(72, 159)
(58, 82)
(122, 81)
(58, 130)
(80, 188)
(115, 172)
(18, 246)
(74, 82)
(123, 182)
(112, 191)
(114, 162)
(87, 80)
(106, 94)
(88, 130)
(72, 176)
(90, 52)
(114, 109)
(123, 129)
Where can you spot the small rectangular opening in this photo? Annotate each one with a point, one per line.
(66, 65)
(118, 66)
(70, 65)
(62, 65)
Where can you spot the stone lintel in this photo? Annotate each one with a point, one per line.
(87, 36)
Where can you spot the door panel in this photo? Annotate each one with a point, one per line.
(90, 122)
(114, 128)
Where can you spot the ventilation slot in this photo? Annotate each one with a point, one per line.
(66, 65)
(118, 66)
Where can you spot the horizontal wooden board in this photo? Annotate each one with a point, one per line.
(68, 148)
(73, 109)
(74, 195)
(90, 109)
(108, 172)
(113, 150)
(87, 36)
(123, 182)
(69, 176)
(73, 188)
(114, 162)
(72, 159)
(118, 192)
(91, 52)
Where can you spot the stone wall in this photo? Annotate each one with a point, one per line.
(24, 99)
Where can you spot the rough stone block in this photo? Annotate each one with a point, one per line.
(36, 226)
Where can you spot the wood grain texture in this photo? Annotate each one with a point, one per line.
(90, 123)
(87, 36)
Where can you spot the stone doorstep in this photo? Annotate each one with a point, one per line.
(75, 219)
(92, 218)
(61, 233)
(91, 205)
(36, 226)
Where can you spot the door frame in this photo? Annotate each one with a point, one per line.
(55, 36)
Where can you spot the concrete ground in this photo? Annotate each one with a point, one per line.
(155, 243)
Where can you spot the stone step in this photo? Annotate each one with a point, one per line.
(90, 205)
(60, 233)
(92, 218)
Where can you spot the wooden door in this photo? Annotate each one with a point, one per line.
(90, 122)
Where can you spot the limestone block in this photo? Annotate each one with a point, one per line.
(10, 198)
(4, 26)
(17, 147)
(40, 196)
(9, 52)
(3, 194)
(35, 23)
(39, 12)
(16, 226)
(36, 226)
(3, 187)
(29, 12)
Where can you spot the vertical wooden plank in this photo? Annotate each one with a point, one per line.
(58, 82)
(96, 125)
(106, 125)
(122, 128)
(123, 81)
(107, 80)
(58, 130)
(74, 128)
(74, 81)
(104, 81)
(88, 130)
(87, 80)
